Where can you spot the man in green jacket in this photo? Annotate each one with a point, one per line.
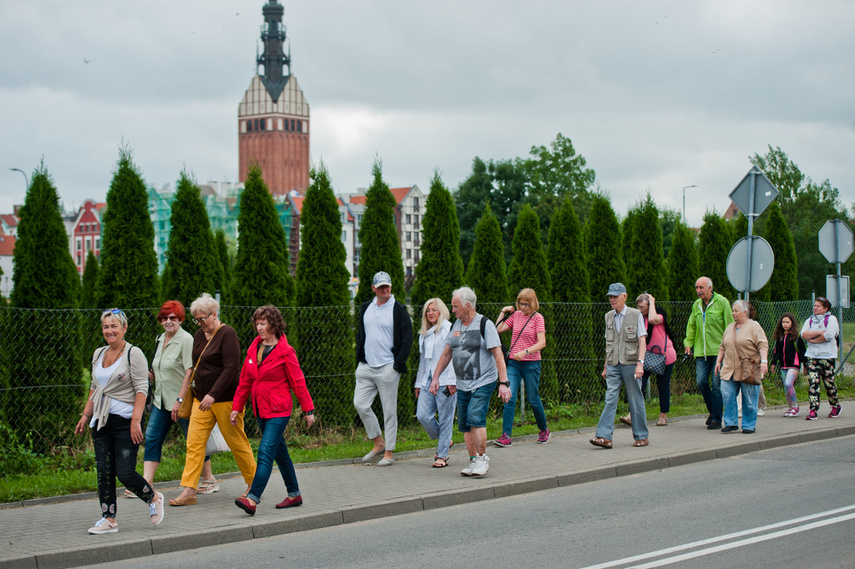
(711, 314)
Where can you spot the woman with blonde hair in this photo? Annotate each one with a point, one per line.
(527, 340)
(432, 341)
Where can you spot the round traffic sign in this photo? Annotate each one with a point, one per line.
(762, 264)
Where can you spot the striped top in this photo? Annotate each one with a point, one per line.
(529, 336)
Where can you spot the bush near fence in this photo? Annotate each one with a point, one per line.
(41, 403)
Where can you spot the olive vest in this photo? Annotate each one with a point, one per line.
(622, 345)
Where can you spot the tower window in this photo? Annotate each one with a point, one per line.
(299, 126)
(263, 124)
(286, 125)
(292, 124)
(248, 126)
(256, 124)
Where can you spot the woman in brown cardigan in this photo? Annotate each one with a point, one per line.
(743, 339)
(217, 358)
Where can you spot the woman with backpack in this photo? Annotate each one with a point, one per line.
(820, 333)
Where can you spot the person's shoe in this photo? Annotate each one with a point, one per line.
(761, 412)
(503, 441)
(729, 429)
(187, 501)
(386, 462)
(543, 437)
(747, 431)
(811, 416)
(835, 412)
(709, 419)
(482, 465)
(626, 420)
(601, 442)
(103, 526)
(791, 412)
(208, 487)
(290, 502)
(713, 425)
(373, 456)
(468, 470)
(245, 505)
(156, 509)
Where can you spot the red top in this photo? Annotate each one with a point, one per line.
(517, 320)
(270, 384)
(658, 338)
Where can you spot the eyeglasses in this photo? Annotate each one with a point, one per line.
(200, 321)
(525, 304)
(170, 317)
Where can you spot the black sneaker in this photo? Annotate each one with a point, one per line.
(713, 425)
(729, 429)
(709, 419)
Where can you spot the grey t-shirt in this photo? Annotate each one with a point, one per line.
(474, 365)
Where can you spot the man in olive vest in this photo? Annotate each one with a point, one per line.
(626, 344)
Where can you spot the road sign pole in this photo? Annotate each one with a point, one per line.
(837, 236)
(750, 214)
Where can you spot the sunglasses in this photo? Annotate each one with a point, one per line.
(113, 311)
(170, 317)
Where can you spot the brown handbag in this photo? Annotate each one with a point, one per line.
(750, 370)
(187, 405)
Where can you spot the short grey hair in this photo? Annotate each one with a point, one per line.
(742, 306)
(466, 296)
(205, 303)
(116, 314)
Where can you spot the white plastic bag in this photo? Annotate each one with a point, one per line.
(216, 442)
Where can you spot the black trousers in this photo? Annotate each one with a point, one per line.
(116, 457)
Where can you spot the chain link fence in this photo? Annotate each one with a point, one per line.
(45, 359)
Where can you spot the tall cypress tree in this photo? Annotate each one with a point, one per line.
(381, 249)
(47, 337)
(784, 284)
(190, 262)
(487, 274)
(714, 246)
(261, 265)
(440, 269)
(566, 257)
(90, 281)
(603, 243)
(224, 259)
(683, 265)
(645, 264)
(324, 325)
(128, 275)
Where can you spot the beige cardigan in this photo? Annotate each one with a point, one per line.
(129, 378)
(751, 340)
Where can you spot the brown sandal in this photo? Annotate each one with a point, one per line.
(179, 501)
(440, 462)
(627, 420)
(661, 422)
(641, 443)
(601, 442)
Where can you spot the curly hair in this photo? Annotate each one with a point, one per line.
(273, 317)
(171, 307)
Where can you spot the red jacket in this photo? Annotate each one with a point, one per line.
(270, 384)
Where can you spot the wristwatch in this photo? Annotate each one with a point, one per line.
(505, 383)
(180, 400)
(641, 362)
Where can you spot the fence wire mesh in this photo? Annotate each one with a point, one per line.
(45, 359)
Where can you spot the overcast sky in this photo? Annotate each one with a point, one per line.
(655, 95)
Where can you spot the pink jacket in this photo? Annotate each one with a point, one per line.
(270, 384)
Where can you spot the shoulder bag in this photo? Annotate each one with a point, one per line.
(750, 371)
(654, 362)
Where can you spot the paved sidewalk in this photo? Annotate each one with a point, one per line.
(54, 534)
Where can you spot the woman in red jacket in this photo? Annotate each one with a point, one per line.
(271, 371)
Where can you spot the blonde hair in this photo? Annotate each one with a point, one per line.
(116, 314)
(205, 303)
(528, 295)
(443, 316)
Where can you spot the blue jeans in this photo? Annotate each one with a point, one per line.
(430, 405)
(750, 398)
(159, 423)
(272, 447)
(615, 377)
(529, 372)
(472, 407)
(709, 384)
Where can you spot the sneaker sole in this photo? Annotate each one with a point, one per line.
(111, 530)
(501, 445)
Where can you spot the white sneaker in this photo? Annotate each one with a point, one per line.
(104, 526)
(482, 465)
(468, 470)
(155, 508)
(761, 412)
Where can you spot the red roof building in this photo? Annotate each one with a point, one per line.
(86, 233)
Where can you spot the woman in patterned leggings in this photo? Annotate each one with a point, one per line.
(819, 333)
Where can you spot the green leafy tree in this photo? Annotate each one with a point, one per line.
(470, 198)
(90, 281)
(487, 273)
(440, 269)
(324, 325)
(784, 284)
(128, 275)
(191, 266)
(603, 245)
(645, 265)
(566, 256)
(683, 265)
(46, 341)
(529, 268)
(261, 265)
(378, 237)
(714, 245)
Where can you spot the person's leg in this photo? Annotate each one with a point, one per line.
(286, 466)
(463, 398)
(636, 402)
(814, 370)
(272, 431)
(704, 370)
(479, 440)
(750, 400)
(207, 471)
(236, 438)
(387, 387)
(606, 425)
(715, 388)
(125, 451)
(159, 422)
(729, 389)
(531, 377)
(827, 374)
(789, 376)
(663, 385)
(363, 397)
(445, 411)
(510, 408)
(102, 442)
(426, 411)
(761, 401)
(477, 416)
(201, 424)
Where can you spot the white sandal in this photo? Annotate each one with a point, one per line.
(208, 487)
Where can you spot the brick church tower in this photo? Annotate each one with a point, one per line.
(273, 117)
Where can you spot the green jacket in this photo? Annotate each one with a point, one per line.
(706, 326)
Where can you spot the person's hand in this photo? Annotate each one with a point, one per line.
(717, 370)
(206, 403)
(764, 368)
(688, 350)
(310, 420)
(519, 356)
(151, 375)
(650, 296)
(80, 428)
(136, 432)
(418, 390)
(639, 370)
(434, 386)
(505, 393)
(233, 417)
(508, 309)
(175, 409)
(604, 372)
(452, 389)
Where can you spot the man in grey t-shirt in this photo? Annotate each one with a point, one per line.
(478, 362)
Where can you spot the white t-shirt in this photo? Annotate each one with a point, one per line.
(473, 363)
(379, 322)
(103, 374)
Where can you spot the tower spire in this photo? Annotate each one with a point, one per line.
(274, 59)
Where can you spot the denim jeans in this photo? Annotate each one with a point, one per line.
(750, 398)
(428, 407)
(615, 377)
(472, 407)
(116, 456)
(272, 447)
(709, 384)
(529, 372)
(159, 423)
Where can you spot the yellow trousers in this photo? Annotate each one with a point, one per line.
(201, 425)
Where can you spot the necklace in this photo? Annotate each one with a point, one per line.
(106, 365)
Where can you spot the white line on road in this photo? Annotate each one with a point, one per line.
(627, 561)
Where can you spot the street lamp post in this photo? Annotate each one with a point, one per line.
(26, 179)
(684, 202)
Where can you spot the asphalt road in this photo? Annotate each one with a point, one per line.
(781, 508)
